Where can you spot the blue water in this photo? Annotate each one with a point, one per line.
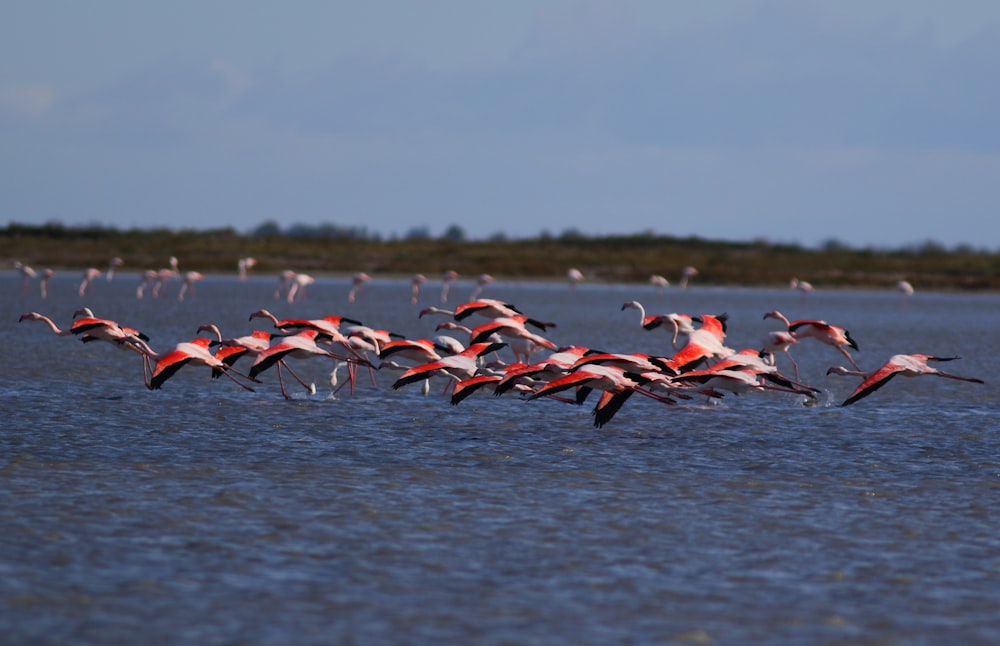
(202, 513)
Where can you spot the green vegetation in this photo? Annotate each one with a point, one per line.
(627, 258)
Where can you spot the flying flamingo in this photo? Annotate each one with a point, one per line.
(357, 282)
(907, 365)
(447, 278)
(253, 344)
(616, 386)
(832, 335)
(303, 345)
(513, 329)
(456, 366)
(492, 308)
(780, 341)
(680, 323)
(195, 352)
(328, 325)
(91, 328)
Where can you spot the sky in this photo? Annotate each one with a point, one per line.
(872, 123)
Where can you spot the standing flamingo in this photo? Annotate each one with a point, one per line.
(89, 276)
(907, 365)
(113, 264)
(686, 275)
(27, 273)
(575, 277)
(190, 278)
(832, 335)
(416, 282)
(659, 282)
(481, 282)
(47, 275)
(297, 289)
(358, 281)
(447, 278)
(244, 265)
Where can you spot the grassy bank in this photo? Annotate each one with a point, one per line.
(631, 258)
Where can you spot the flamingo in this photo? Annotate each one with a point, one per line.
(297, 289)
(285, 279)
(575, 277)
(804, 287)
(195, 352)
(149, 278)
(780, 341)
(244, 265)
(832, 335)
(905, 289)
(552, 366)
(357, 282)
(704, 343)
(163, 276)
(457, 367)
(447, 278)
(27, 273)
(190, 278)
(302, 345)
(416, 282)
(492, 308)
(328, 325)
(686, 275)
(89, 276)
(659, 282)
(91, 328)
(481, 282)
(679, 322)
(47, 275)
(511, 328)
(907, 365)
(253, 344)
(113, 264)
(616, 386)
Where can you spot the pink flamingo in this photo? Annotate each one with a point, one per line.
(832, 335)
(906, 365)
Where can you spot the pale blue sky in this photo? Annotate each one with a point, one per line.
(871, 122)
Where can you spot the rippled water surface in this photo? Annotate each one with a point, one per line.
(202, 513)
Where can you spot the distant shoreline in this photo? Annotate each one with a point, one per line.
(609, 260)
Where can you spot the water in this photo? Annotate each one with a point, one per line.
(201, 513)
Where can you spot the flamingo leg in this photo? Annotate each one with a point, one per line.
(284, 363)
(281, 382)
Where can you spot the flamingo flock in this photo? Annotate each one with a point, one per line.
(697, 365)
